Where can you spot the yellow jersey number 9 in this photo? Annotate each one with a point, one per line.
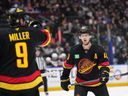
(22, 54)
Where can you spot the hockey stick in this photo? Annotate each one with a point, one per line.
(123, 74)
(118, 76)
(86, 82)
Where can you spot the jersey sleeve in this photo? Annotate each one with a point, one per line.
(103, 61)
(48, 37)
(69, 62)
(41, 37)
(68, 65)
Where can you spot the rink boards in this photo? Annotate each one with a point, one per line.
(54, 77)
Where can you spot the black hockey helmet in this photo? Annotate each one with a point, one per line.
(85, 29)
(15, 14)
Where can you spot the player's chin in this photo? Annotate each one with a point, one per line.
(86, 42)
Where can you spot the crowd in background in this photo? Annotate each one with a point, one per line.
(107, 18)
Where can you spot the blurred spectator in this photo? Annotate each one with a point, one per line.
(59, 49)
(69, 15)
(48, 50)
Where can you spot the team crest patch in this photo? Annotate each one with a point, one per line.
(85, 66)
(77, 56)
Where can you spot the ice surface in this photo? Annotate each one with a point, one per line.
(113, 91)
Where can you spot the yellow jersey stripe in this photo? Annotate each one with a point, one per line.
(21, 86)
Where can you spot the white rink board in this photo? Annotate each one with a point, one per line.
(54, 78)
(118, 69)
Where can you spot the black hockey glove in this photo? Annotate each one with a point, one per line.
(104, 77)
(64, 83)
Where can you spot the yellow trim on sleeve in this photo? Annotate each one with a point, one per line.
(48, 41)
(105, 71)
(103, 66)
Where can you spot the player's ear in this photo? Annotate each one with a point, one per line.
(79, 37)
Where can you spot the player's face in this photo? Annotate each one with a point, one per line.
(22, 22)
(85, 38)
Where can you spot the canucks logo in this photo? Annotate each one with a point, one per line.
(85, 66)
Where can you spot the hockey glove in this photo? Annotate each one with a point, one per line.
(104, 77)
(64, 83)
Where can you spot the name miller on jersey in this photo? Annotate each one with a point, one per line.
(19, 36)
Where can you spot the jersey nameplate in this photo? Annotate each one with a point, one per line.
(19, 36)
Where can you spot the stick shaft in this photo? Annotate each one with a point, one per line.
(123, 74)
(86, 82)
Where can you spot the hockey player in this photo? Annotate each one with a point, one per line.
(92, 64)
(19, 74)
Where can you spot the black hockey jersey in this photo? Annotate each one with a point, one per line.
(18, 68)
(87, 62)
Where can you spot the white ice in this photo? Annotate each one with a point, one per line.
(113, 91)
